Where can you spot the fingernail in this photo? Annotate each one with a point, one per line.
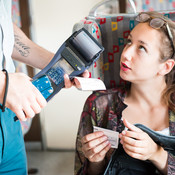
(100, 133)
(104, 138)
(121, 141)
(66, 76)
(120, 136)
(123, 132)
(24, 119)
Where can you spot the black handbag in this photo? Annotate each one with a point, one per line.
(120, 161)
(122, 164)
(167, 142)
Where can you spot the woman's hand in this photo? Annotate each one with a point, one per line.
(95, 146)
(137, 143)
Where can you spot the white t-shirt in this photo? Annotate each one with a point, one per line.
(6, 36)
(165, 131)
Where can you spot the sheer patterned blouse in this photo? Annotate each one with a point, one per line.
(104, 109)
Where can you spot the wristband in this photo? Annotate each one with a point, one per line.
(6, 90)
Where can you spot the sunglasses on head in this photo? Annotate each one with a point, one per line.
(156, 23)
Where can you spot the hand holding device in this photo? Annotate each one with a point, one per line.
(75, 55)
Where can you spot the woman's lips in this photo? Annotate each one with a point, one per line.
(124, 67)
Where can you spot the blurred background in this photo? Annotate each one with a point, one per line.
(50, 136)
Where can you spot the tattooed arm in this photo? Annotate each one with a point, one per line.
(23, 97)
(28, 52)
(32, 54)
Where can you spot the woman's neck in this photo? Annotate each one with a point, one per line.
(147, 93)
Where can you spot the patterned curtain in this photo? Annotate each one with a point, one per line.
(152, 5)
(16, 13)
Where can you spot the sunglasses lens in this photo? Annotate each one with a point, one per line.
(142, 17)
(157, 23)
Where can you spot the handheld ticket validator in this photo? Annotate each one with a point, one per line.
(75, 55)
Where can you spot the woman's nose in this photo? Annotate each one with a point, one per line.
(128, 52)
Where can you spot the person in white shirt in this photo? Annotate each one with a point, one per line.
(23, 99)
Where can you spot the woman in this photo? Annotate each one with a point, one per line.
(147, 62)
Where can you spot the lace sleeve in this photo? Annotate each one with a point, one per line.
(171, 164)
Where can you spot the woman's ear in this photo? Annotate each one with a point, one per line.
(166, 67)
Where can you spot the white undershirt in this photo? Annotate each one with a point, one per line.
(165, 131)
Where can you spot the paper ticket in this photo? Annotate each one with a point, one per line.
(90, 84)
(113, 136)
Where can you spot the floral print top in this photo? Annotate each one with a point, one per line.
(104, 109)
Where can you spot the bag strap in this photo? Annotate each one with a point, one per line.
(6, 90)
(93, 11)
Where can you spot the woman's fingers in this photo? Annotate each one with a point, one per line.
(135, 149)
(131, 140)
(131, 126)
(135, 155)
(95, 146)
(97, 150)
(101, 154)
(134, 135)
(92, 136)
(95, 142)
(137, 143)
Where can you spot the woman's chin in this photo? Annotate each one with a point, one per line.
(123, 76)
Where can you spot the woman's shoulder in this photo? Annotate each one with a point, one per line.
(105, 94)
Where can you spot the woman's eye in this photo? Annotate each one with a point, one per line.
(142, 48)
(128, 41)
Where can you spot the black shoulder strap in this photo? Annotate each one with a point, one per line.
(6, 90)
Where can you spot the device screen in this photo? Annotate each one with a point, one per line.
(56, 73)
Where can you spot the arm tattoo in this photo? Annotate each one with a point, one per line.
(21, 47)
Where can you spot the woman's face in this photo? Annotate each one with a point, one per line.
(140, 59)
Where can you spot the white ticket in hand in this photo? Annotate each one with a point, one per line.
(113, 136)
(90, 84)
